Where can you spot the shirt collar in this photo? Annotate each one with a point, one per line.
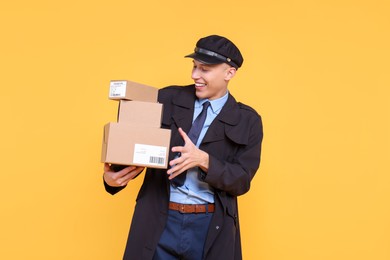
(216, 104)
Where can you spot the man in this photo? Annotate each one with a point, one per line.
(190, 210)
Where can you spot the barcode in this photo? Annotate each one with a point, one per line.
(157, 160)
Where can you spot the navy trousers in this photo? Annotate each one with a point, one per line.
(183, 237)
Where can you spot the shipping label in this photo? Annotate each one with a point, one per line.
(117, 89)
(149, 154)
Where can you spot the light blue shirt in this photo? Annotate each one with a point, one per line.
(195, 191)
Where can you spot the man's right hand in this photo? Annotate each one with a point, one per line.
(122, 177)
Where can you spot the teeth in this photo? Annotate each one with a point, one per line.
(200, 84)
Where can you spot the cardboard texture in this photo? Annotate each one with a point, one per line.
(129, 90)
(141, 113)
(134, 144)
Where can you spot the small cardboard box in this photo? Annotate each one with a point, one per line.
(129, 90)
(141, 113)
(132, 144)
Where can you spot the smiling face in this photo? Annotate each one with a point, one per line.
(211, 81)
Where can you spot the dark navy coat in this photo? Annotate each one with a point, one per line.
(233, 142)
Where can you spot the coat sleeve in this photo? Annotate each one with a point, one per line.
(112, 190)
(233, 173)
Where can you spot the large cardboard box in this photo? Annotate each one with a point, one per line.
(141, 113)
(129, 90)
(132, 144)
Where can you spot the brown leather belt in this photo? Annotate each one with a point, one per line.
(192, 208)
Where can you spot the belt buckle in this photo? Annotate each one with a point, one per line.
(181, 208)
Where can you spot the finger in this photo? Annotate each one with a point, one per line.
(184, 136)
(125, 179)
(177, 149)
(176, 160)
(130, 175)
(125, 171)
(178, 169)
(107, 167)
(173, 175)
(176, 163)
(171, 171)
(174, 166)
(140, 168)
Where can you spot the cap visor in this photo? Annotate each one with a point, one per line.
(204, 58)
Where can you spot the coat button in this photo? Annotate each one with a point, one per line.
(216, 227)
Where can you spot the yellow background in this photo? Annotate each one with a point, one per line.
(317, 72)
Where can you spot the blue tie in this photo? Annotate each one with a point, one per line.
(193, 134)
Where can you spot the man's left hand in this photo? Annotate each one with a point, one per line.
(191, 156)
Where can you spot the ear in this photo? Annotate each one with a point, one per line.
(230, 73)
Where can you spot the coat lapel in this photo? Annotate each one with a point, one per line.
(229, 116)
(183, 111)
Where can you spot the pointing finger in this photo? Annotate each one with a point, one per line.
(184, 136)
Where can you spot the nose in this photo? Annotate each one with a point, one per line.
(195, 74)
